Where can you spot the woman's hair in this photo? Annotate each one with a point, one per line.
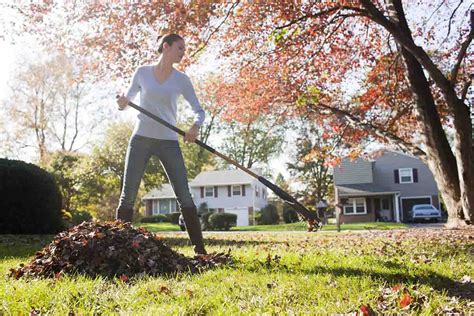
(168, 38)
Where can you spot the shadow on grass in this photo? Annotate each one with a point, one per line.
(184, 241)
(19, 246)
(435, 280)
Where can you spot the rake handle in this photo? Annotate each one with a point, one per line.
(197, 141)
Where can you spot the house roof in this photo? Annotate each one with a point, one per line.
(165, 192)
(222, 177)
(363, 189)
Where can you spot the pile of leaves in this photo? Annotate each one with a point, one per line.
(112, 249)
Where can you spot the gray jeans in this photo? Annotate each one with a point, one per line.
(140, 149)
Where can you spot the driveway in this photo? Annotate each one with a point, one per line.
(427, 225)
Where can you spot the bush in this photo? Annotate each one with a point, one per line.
(158, 218)
(202, 208)
(173, 217)
(268, 215)
(30, 200)
(80, 216)
(222, 221)
(289, 215)
(205, 220)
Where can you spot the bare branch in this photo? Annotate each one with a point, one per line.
(451, 20)
(436, 10)
(373, 129)
(359, 12)
(216, 29)
(461, 55)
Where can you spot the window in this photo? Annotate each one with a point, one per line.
(355, 206)
(257, 193)
(209, 191)
(406, 175)
(236, 190)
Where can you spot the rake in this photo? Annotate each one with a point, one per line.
(314, 223)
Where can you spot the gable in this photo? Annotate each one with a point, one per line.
(352, 172)
(221, 177)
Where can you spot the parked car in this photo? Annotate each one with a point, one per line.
(425, 212)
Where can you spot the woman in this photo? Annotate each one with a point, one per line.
(160, 85)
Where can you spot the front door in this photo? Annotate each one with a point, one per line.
(385, 209)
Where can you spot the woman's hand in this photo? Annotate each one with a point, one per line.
(192, 134)
(122, 102)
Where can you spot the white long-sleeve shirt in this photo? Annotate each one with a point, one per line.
(161, 100)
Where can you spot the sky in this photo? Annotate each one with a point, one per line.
(8, 54)
(9, 57)
(6, 63)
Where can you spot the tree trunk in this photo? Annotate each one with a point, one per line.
(464, 156)
(445, 166)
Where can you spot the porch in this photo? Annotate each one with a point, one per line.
(366, 203)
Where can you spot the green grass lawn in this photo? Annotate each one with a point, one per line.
(299, 226)
(426, 271)
(302, 226)
(160, 227)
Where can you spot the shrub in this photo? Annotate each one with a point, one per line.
(289, 215)
(173, 217)
(205, 220)
(30, 200)
(158, 218)
(222, 221)
(268, 215)
(202, 208)
(80, 216)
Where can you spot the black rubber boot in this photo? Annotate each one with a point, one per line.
(124, 214)
(193, 226)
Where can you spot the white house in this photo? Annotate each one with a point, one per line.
(230, 191)
(160, 201)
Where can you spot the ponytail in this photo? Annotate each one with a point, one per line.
(168, 38)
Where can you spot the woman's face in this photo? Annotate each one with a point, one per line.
(175, 51)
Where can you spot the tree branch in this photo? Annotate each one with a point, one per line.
(407, 42)
(465, 89)
(462, 54)
(305, 17)
(451, 19)
(216, 29)
(373, 129)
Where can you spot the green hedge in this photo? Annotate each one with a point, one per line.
(158, 218)
(222, 221)
(205, 220)
(80, 216)
(289, 214)
(268, 215)
(30, 200)
(173, 217)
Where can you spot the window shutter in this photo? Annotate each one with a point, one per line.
(243, 189)
(215, 191)
(415, 175)
(202, 192)
(397, 178)
(229, 190)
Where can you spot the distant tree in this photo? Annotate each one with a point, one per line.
(311, 165)
(51, 106)
(63, 165)
(253, 142)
